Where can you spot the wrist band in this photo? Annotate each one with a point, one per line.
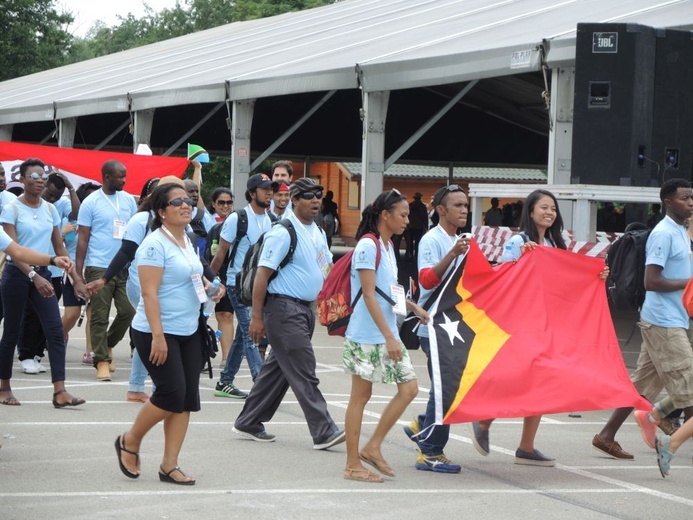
(51, 261)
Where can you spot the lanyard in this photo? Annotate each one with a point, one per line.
(260, 220)
(314, 238)
(115, 206)
(188, 252)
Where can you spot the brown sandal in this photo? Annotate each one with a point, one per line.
(380, 464)
(10, 400)
(362, 475)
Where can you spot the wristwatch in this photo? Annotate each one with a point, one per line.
(31, 275)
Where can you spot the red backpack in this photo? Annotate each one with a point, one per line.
(334, 303)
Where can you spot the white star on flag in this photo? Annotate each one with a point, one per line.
(452, 328)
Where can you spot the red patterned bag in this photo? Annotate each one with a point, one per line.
(334, 304)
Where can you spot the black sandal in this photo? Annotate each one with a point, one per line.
(76, 401)
(166, 477)
(119, 449)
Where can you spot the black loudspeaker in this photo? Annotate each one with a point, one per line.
(672, 132)
(614, 104)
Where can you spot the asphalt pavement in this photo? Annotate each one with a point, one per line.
(61, 464)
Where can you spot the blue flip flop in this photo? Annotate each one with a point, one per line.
(664, 456)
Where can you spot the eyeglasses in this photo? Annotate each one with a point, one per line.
(452, 188)
(178, 202)
(225, 202)
(35, 176)
(309, 195)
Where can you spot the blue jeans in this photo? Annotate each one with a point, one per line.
(138, 373)
(433, 441)
(242, 344)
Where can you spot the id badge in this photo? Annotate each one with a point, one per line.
(119, 228)
(397, 293)
(199, 287)
(322, 264)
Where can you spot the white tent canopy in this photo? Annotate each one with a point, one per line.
(377, 44)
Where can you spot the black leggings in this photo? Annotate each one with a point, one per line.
(177, 381)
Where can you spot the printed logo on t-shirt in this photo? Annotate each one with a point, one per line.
(428, 255)
(150, 252)
(268, 254)
(362, 256)
(658, 253)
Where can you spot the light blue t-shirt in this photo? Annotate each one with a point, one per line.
(64, 207)
(5, 240)
(433, 247)
(98, 212)
(302, 277)
(178, 302)
(5, 198)
(34, 227)
(669, 247)
(512, 251)
(257, 225)
(136, 231)
(362, 328)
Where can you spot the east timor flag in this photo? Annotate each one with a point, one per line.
(525, 338)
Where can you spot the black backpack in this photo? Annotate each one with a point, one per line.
(245, 278)
(626, 260)
(208, 341)
(215, 233)
(197, 225)
(241, 231)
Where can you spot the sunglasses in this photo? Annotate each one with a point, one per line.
(225, 202)
(35, 176)
(392, 193)
(178, 202)
(310, 195)
(448, 189)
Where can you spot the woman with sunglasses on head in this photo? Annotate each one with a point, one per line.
(165, 333)
(373, 352)
(540, 224)
(34, 223)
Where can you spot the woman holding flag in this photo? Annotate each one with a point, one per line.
(373, 351)
(540, 224)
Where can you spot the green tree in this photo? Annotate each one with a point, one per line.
(184, 18)
(252, 9)
(33, 37)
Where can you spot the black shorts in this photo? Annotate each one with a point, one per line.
(177, 381)
(224, 305)
(69, 298)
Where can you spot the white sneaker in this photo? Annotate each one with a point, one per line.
(29, 366)
(40, 367)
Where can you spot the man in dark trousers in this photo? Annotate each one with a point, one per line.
(284, 306)
(418, 224)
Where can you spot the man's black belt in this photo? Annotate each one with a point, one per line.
(285, 297)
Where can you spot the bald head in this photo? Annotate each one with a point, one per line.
(113, 174)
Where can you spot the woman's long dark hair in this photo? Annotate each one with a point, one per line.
(159, 201)
(530, 228)
(369, 218)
